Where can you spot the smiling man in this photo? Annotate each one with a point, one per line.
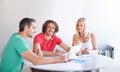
(47, 40)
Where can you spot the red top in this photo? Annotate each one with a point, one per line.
(47, 45)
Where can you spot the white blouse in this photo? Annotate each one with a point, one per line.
(87, 44)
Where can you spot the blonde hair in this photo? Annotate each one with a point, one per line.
(85, 32)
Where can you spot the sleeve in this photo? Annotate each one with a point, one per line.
(59, 40)
(21, 46)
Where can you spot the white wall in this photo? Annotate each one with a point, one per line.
(102, 17)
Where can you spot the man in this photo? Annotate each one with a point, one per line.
(17, 49)
(47, 40)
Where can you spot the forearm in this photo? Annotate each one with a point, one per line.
(65, 47)
(48, 53)
(37, 49)
(48, 60)
(51, 60)
(38, 59)
(89, 51)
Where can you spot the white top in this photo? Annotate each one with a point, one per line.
(86, 62)
(87, 44)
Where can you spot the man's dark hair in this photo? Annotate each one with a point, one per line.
(24, 22)
(44, 27)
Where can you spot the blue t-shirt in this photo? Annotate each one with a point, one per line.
(11, 60)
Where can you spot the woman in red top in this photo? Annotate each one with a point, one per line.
(45, 42)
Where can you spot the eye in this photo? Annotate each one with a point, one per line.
(53, 27)
(48, 27)
(81, 25)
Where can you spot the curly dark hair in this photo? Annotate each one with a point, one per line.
(44, 27)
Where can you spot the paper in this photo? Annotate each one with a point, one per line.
(73, 51)
(73, 56)
(77, 59)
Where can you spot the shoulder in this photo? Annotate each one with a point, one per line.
(75, 36)
(92, 35)
(55, 37)
(39, 35)
(16, 37)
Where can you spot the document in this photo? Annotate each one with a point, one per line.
(73, 51)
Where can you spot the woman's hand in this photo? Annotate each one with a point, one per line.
(85, 51)
(78, 53)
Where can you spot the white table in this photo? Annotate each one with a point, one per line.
(91, 62)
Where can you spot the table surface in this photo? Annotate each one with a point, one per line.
(85, 63)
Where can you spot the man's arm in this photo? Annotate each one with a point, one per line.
(49, 53)
(39, 59)
(65, 47)
(37, 49)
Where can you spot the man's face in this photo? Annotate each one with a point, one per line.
(31, 30)
(50, 29)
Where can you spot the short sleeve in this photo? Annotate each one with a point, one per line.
(59, 41)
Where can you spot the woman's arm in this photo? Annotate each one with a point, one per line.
(74, 41)
(94, 43)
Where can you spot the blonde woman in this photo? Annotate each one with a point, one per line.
(87, 39)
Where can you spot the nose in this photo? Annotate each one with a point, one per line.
(51, 29)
